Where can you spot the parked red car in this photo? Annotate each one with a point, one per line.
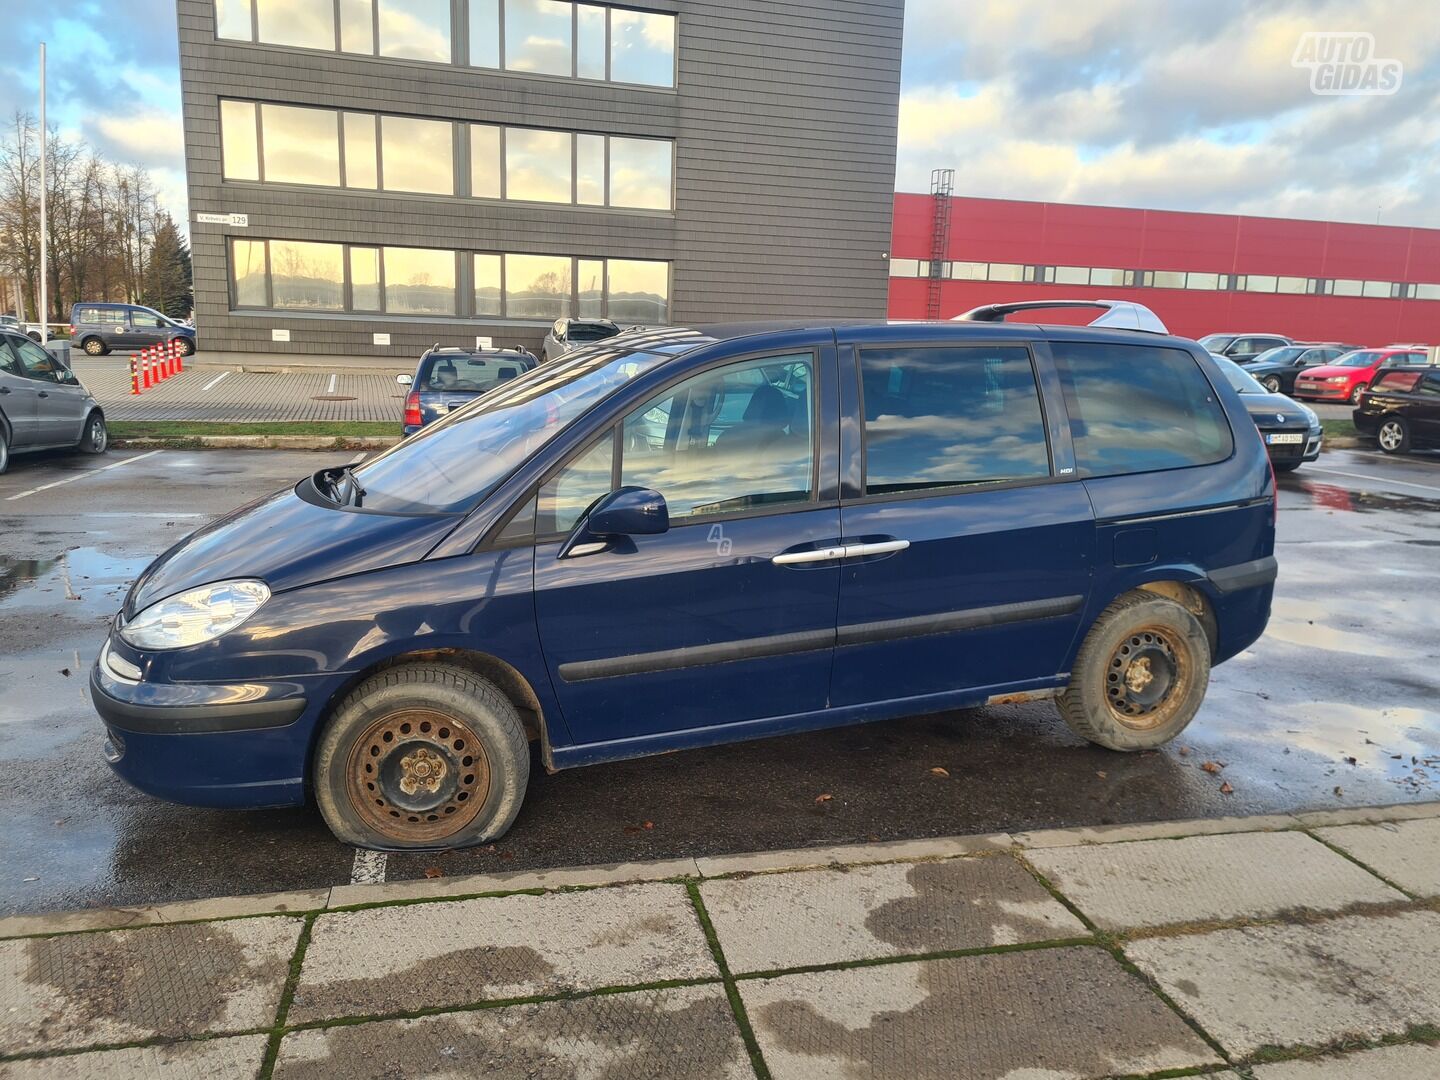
(1349, 376)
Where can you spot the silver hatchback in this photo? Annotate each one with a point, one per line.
(43, 406)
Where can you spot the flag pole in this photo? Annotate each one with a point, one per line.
(44, 219)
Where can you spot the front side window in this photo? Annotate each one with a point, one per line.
(145, 320)
(1139, 408)
(726, 441)
(571, 491)
(942, 417)
(35, 362)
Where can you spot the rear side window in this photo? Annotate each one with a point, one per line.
(943, 417)
(1398, 382)
(1139, 408)
(100, 315)
(1431, 385)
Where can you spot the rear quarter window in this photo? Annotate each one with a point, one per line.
(1139, 408)
(1398, 382)
(99, 315)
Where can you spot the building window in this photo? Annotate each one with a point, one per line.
(590, 37)
(1346, 287)
(640, 173)
(305, 24)
(307, 277)
(642, 48)
(968, 271)
(414, 29)
(904, 268)
(1262, 283)
(290, 275)
(1376, 289)
(1291, 286)
(1006, 271)
(539, 36)
(232, 19)
(537, 165)
(1427, 292)
(362, 151)
(485, 180)
(357, 26)
(1167, 279)
(239, 141)
(301, 146)
(417, 155)
(590, 171)
(1207, 282)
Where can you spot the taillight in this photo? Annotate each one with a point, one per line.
(412, 409)
(72, 331)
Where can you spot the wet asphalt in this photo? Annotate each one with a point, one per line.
(1338, 705)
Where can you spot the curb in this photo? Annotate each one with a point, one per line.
(302, 902)
(260, 442)
(1347, 442)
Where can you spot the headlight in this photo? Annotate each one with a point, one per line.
(1337, 379)
(198, 615)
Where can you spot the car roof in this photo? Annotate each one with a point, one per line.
(916, 330)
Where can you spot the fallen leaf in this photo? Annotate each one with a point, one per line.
(1225, 788)
(1339, 791)
(434, 872)
(1212, 766)
(1184, 751)
(648, 825)
(823, 798)
(1351, 761)
(938, 771)
(507, 854)
(65, 671)
(1101, 775)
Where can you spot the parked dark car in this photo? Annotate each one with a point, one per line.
(446, 379)
(1243, 347)
(1402, 410)
(101, 328)
(1292, 432)
(902, 518)
(1276, 368)
(43, 406)
(568, 334)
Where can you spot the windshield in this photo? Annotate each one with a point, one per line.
(1280, 355)
(455, 462)
(1216, 341)
(1357, 359)
(1239, 378)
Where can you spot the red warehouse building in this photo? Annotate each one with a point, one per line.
(1201, 273)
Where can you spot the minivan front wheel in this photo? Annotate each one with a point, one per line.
(1140, 676)
(422, 756)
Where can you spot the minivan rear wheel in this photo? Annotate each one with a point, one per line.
(422, 756)
(1140, 676)
(93, 346)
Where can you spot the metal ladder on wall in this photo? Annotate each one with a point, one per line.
(942, 184)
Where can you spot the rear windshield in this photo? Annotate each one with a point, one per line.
(1139, 408)
(450, 465)
(590, 332)
(468, 374)
(1401, 382)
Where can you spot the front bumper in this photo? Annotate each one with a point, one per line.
(1322, 392)
(205, 744)
(1307, 449)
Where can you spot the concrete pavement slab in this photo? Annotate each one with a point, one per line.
(413, 956)
(1053, 1013)
(237, 1058)
(1409, 1062)
(683, 1033)
(1152, 883)
(895, 909)
(1151, 830)
(939, 847)
(129, 985)
(1405, 852)
(1353, 977)
(225, 907)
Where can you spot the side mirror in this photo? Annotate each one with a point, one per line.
(404, 379)
(629, 511)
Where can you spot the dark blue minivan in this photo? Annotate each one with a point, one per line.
(686, 537)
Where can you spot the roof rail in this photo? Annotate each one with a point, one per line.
(1116, 315)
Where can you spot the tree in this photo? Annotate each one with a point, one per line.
(167, 281)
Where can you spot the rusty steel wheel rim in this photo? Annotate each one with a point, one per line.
(418, 776)
(1147, 678)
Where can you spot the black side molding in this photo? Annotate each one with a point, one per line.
(1245, 575)
(949, 621)
(194, 719)
(697, 655)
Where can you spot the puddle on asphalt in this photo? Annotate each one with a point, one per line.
(1305, 623)
(17, 572)
(1334, 497)
(1401, 741)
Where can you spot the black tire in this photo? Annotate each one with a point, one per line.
(93, 346)
(1285, 466)
(1356, 394)
(1393, 435)
(187, 347)
(1110, 701)
(4, 449)
(1271, 383)
(396, 770)
(95, 439)
(33, 335)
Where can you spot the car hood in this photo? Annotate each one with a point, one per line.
(287, 541)
(1326, 371)
(1275, 410)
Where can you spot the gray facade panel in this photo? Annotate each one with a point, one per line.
(784, 118)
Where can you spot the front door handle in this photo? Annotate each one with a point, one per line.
(794, 558)
(42, 393)
(4, 389)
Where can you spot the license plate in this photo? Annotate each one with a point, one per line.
(1284, 438)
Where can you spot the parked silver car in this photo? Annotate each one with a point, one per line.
(42, 404)
(569, 334)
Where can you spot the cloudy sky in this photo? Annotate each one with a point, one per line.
(1186, 104)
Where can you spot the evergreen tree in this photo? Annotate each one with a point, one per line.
(168, 287)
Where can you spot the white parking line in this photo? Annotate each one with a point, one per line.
(81, 476)
(1375, 479)
(358, 458)
(369, 868)
(331, 388)
(215, 380)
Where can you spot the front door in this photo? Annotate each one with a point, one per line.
(728, 619)
(146, 329)
(17, 397)
(974, 557)
(60, 405)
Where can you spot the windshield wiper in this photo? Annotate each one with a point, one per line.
(336, 477)
(348, 472)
